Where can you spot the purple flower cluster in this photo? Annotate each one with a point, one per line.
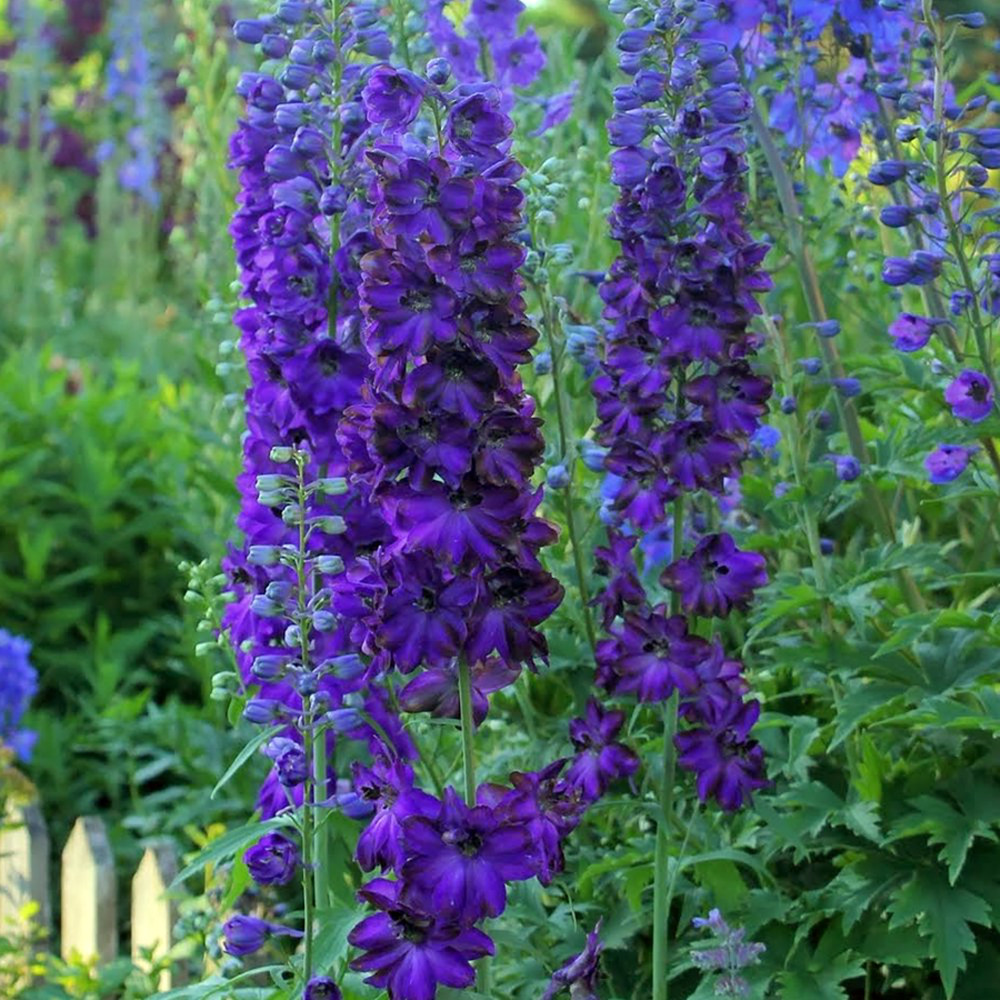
(821, 106)
(18, 685)
(445, 440)
(445, 444)
(488, 46)
(451, 862)
(296, 151)
(678, 399)
(133, 88)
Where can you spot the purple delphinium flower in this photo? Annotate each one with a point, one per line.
(487, 46)
(651, 653)
(716, 577)
(970, 396)
(273, 860)
(409, 951)
(459, 861)
(910, 332)
(244, 935)
(436, 690)
(299, 332)
(389, 788)
(321, 988)
(847, 467)
(133, 87)
(579, 974)
(599, 760)
(18, 685)
(548, 804)
(445, 441)
(727, 761)
(947, 462)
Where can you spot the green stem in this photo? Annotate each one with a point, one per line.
(662, 888)
(568, 455)
(469, 772)
(954, 233)
(308, 845)
(468, 731)
(795, 450)
(308, 792)
(661, 864)
(941, 176)
(321, 848)
(399, 12)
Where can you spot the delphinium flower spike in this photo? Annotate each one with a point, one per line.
(943, 152)
(18, 685)
(445, 441)
(298, 231)
(678, 399)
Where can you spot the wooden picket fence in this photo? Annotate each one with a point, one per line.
(88, 889)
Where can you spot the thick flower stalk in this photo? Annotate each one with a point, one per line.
(445, 439)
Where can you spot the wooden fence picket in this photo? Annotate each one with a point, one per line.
(89, 907)
(154, 912)
(88, 913)
(24, 866)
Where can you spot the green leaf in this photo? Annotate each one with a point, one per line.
(862, 818)
(729, 854)
(856, 888)
(861, 703)
(722, 878)
(331, 942)
(243, 756)
(637, 881)
(614, 863)
(943, 913)
(822, 983)
(239, 879)
(946, 826)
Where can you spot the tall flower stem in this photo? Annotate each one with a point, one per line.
(468, 731)
(929, 293)
(661, 863)
(308, 854)
(309, 833)
(568, 454)
(795, 451)
(321, 836)
(941, 176)
(469, 772)
(818, 314)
